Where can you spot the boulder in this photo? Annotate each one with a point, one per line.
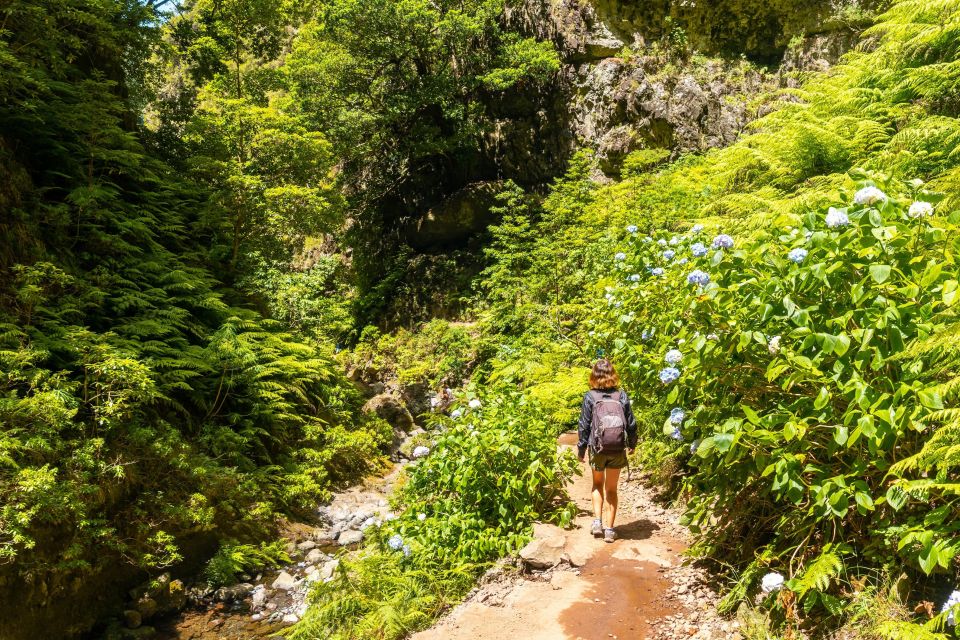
(147, 607)
(132, 618)
(284, 581)
(326, 571)
(392, 410)
(259, 598)
(315, 556)
(350, 536)
(544, 553)
(307, 545)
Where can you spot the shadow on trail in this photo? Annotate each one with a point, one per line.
(637, 530)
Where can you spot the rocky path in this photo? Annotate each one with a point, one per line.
(573, 587)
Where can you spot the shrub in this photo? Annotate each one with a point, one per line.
(815, 367)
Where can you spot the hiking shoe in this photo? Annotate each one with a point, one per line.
(609, 535)
(596, 529)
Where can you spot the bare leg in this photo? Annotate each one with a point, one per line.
(610, 495)
(597, 494)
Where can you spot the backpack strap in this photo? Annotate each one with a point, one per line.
(602, 395)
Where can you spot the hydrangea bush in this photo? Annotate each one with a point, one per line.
(812, 385)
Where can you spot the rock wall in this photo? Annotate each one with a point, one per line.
(629, 82)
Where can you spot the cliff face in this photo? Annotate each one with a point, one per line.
(628, 81)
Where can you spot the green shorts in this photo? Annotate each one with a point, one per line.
(612, 460)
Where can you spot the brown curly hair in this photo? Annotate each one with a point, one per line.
(604, 376)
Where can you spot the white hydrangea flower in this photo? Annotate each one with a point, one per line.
(773, 345)
(697, 228)
(456, 413)
(951, 602)
(635, 277)
(632, 228)
(620, 256)
(395, 542)
(474, 404)
(921, 209)
(869, 195)
(421, 517)
(835, 218)
(674, 241)
(772, 582)
(421, 452)
(662, 242)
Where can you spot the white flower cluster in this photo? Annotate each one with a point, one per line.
(836, 218)
(869, 195)
(920, 209)
(951, 602)
(421, 452)
(773, 345)
(771, 582)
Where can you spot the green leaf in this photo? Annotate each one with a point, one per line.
(880, 273)
(822, 399)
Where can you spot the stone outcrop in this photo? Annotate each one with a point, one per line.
(459, 216)
(622, 87)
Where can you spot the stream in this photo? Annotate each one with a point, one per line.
(266, 603)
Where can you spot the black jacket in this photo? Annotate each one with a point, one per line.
(586, 420)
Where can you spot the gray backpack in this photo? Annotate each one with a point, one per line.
(608, 429)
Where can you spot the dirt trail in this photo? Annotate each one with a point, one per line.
(633, 589)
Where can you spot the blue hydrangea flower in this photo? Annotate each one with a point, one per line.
(635, 277)
(662, 242)
(676, 435)
(406, 550)
(395, 542)
(682, 261)
(723, 241)
(835, 218)
(694, 446)
(620, 256)
(698, 250)
(674, 356)
(697, 228)
(668, 375)
(647, 239)
(669, 254)
(699, 277)
(657, 271)
(632, 228)
(797, 255)
(677, 415)
(647, 335)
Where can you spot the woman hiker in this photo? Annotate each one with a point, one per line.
(609, 430)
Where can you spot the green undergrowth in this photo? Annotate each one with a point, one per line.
(436, 354)
(143, 402)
